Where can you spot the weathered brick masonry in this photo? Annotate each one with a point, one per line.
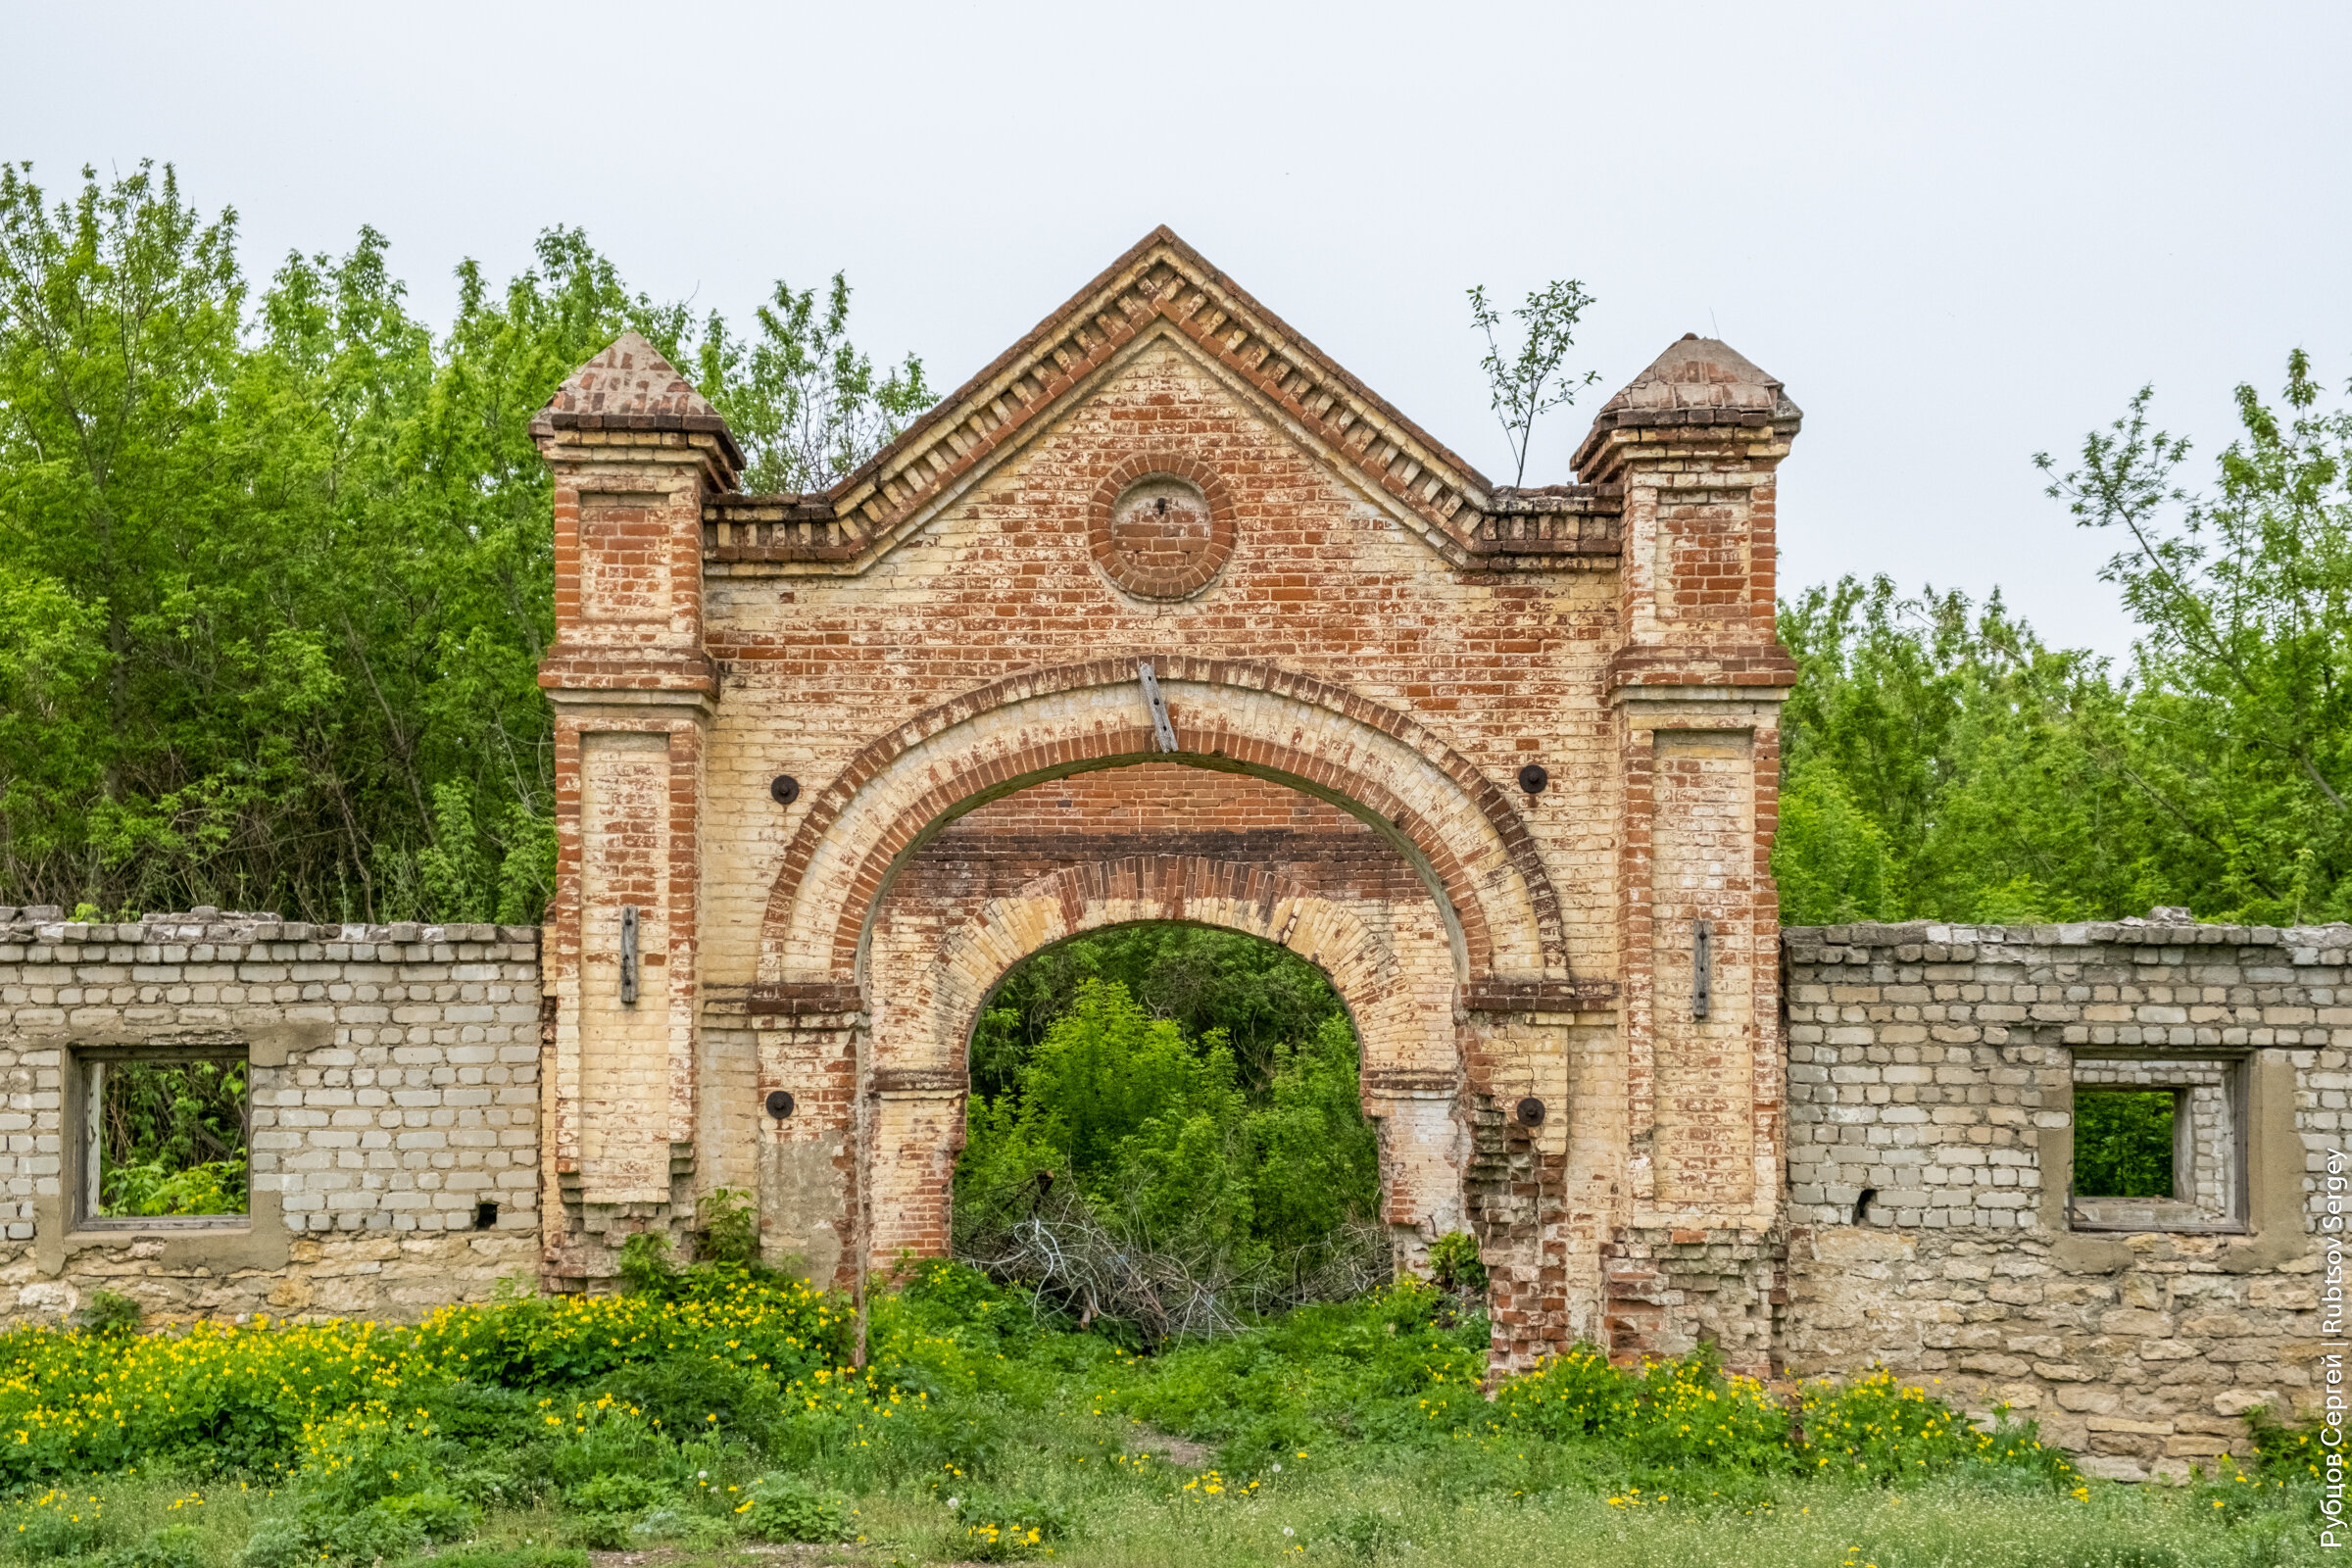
(1504, 761)
(1155, 841)
(394, 1090)
(850, 757)
(1933, 1077)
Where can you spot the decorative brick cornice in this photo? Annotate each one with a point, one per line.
(1387, 1082)
(655, 672)
(1644, 667)
(925, 1081)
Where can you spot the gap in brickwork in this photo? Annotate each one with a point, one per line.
(1175, 857)
(1166, 1133)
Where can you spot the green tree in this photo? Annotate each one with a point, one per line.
(1153, 1161)
(118, 446)
(1940, 761)
(1318, 1163)
(1108, 1072)
(1525, 384)
(2124, 1143)
(277, 575)
(1832, 860)
(1258, 994)
(2240, 730)
(802, 401)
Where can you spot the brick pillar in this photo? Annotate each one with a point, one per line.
(633, 449)
(1695, 442)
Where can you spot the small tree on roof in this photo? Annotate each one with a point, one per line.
(1528, 383)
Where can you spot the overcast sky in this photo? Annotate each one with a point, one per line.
(1958, 238)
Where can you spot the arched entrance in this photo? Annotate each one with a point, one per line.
(1411, 1074)
(1534, 732)
(1394, 867)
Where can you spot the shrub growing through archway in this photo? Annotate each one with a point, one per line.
(1165, 1131)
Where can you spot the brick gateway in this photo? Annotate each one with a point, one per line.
(1501, 762)
(1164, 615)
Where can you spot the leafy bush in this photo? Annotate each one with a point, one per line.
(278, 1544)
(688, 1392)
(475, 1414)
(59, 1523)
(2284, 1453)
(783, 1507)
(1689, 1411)
(109, 1314)
(1453, 1263)
(382, 1531)
(1678, 1413)
(370, 1487)
(1135, 1173)
(645, 1262)
(152, 1188)
(244, 1397)
(1577, 1395)
(596, 1440)
(489, 1486)
(174, 1546)
(615, 1494)
(731, 1232)
(999, 1528)
(1878, 1430)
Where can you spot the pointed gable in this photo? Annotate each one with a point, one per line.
(1163, 287)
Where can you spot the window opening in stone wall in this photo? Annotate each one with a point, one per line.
(166, 1137)
(2158, 1143)
(1165, 1134)
(2124, 1143)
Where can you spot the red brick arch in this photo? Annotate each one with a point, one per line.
(1457, 827)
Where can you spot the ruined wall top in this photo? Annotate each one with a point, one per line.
(46, 923)
(1946, 942)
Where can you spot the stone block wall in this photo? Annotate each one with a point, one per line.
(394, 1090)
(1933, 1226)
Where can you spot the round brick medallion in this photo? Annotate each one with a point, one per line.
(1160, 527)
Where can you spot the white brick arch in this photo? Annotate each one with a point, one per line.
(1459, 830)
(1401, 1006)
(1404, 1014)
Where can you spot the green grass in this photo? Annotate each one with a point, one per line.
(1403, 1514)
(521, 1436)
